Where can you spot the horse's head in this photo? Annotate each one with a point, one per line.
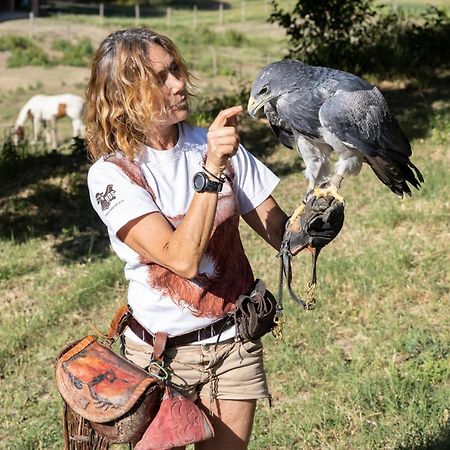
(18, 134)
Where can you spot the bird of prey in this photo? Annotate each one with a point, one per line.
(318, 110)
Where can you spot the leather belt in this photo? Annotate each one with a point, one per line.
(183, 339)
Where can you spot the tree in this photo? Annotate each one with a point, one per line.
(356, 36)
(326, 33)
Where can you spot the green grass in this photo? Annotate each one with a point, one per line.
(369, 368)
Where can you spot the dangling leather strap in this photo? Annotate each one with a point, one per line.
(286, 256)
(118, 324)
(159, 345)
(121, 320)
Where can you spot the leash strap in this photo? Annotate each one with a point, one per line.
(286, 256)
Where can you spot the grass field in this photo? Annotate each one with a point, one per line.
(369, 368)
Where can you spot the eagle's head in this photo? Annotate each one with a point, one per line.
(273, 81)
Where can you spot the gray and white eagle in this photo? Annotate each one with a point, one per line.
(319, 110)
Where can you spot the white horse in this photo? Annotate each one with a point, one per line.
(47, 109)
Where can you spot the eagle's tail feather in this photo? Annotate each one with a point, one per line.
(395, 172)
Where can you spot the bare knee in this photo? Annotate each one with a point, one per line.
(232, 421)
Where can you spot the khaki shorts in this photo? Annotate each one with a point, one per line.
(233, 370)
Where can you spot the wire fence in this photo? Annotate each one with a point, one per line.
(220, 39)
(202, 11)
(213, 12)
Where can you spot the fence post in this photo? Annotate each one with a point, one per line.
(214, 60)
(137, 13)
(101, 11)
(220, 13)
(169, 16)
(243, 10)
(194, 17)
(395, 6)
(31, 24)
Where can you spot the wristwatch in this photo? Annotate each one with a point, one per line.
(203, 184)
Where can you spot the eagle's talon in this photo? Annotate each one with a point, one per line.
(297, 212)
(330, 190)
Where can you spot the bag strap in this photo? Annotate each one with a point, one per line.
(118, 323)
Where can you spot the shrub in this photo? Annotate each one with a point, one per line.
(11, 155)
(12, 42)
(78, 54)
(362, 38)
(204, 111)
(24, 52)
(206, 36)
(401, 45)
(326, 33)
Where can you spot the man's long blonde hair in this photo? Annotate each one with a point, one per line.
(123, 96)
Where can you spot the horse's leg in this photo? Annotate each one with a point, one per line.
(53, 133)
(36, 129)
(77, 128)
(46, 133)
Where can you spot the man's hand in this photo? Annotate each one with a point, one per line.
(223, 139)
(317, 225)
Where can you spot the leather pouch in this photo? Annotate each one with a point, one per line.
(254, 313)
(118, 398)
(179, 422)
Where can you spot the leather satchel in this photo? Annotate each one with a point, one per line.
(255, 313)
(110, 400)
(116, 397)
(179, 422)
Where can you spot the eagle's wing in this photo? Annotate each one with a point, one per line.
(281, 129)
(362, 120)
(300, 110)
(294, 118)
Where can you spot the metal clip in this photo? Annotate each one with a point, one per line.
(158, 371)
(277, 331)
(310, 301)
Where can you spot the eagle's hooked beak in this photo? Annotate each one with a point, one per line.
(255, 104)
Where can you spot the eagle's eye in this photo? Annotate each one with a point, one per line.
(263, 90)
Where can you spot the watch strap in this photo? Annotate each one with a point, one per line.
(213, 186)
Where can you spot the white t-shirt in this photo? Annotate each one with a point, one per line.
(161, 300)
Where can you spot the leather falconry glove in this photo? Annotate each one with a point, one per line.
(318, 223)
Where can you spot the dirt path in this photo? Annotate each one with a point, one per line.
(55, 79)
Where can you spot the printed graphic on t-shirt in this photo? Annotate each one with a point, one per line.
(104, 199)
(226, 270)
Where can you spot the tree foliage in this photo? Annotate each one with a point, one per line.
(360, 37)
(326, 32)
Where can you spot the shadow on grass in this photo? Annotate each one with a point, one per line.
(422, 104)
(47, 195)
(440, 442)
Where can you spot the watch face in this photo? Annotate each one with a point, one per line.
(200, 181)
(203, 184)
